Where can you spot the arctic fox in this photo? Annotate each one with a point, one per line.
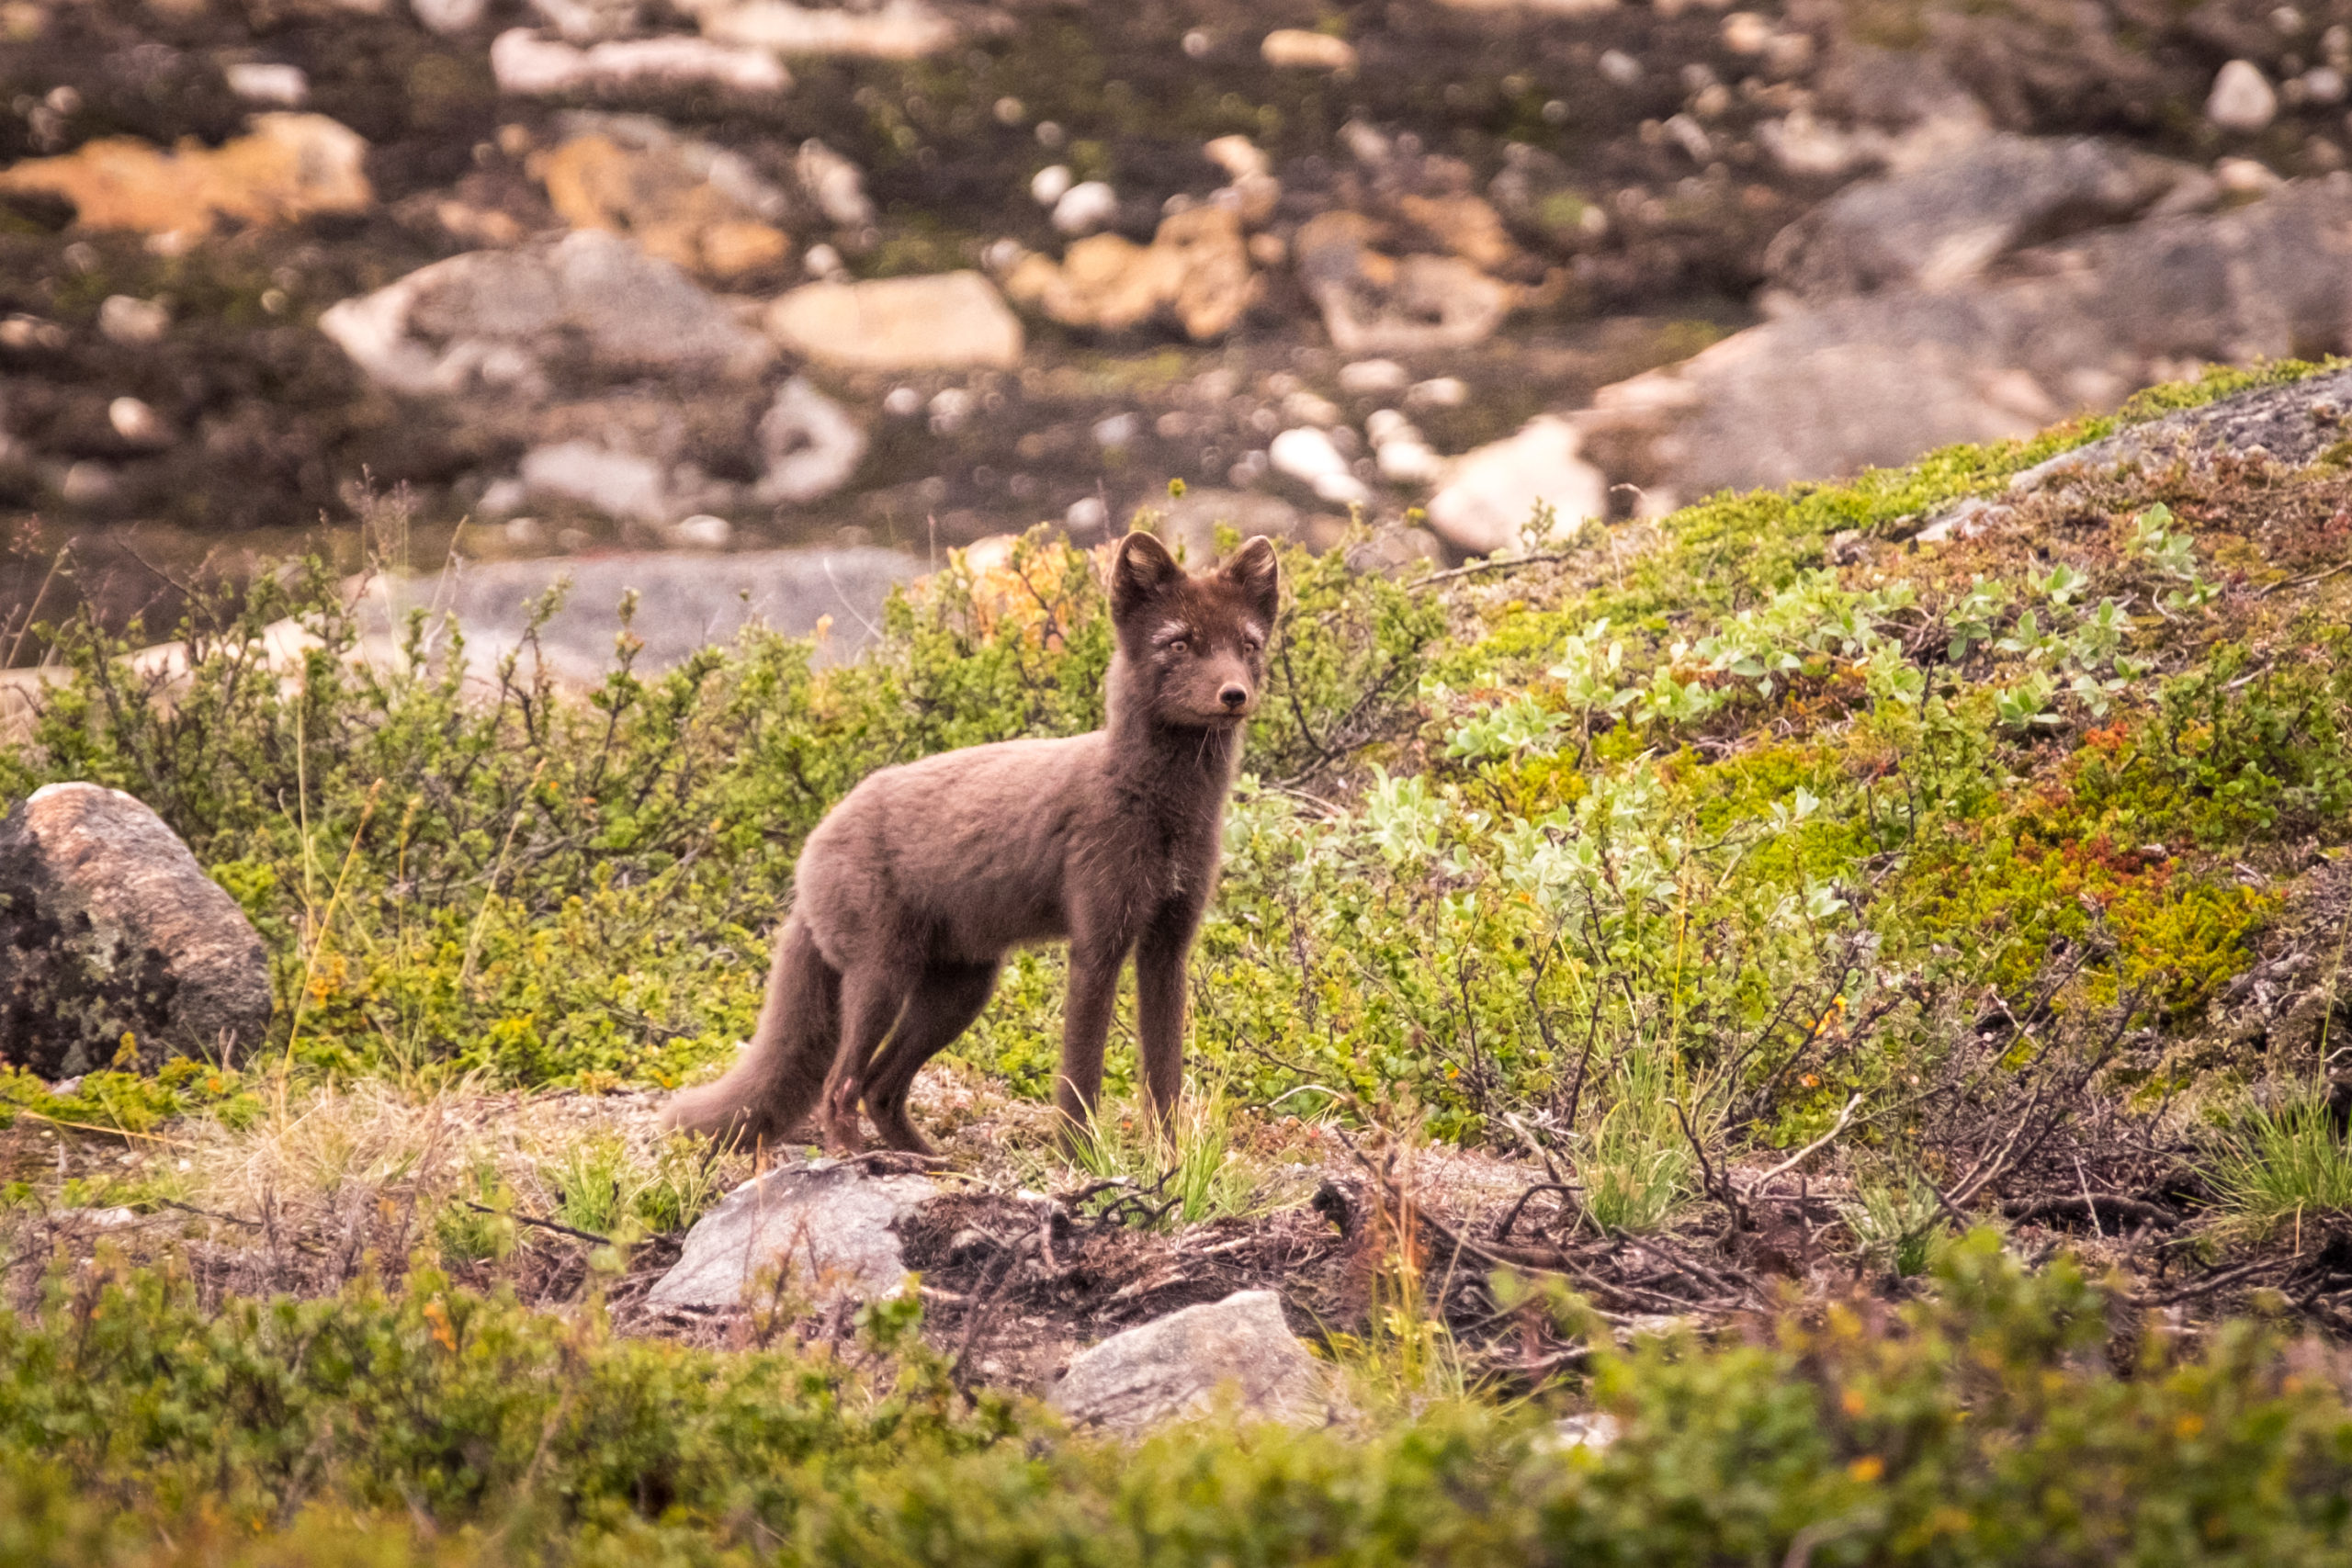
(911, 890)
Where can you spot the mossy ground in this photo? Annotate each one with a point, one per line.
(2005, 870)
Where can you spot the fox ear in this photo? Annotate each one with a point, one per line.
(1254, 571)
(1141, 573)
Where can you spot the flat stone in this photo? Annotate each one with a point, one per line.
(832, 1224)
(894, 29)
(1376, 303)
(108, 926)
(1181, 1365)
(951, 322)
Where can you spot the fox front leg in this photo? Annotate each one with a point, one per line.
(1162, 958)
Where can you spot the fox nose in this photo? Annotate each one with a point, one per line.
(1234, 695)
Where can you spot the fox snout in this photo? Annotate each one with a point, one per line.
(1235, 696)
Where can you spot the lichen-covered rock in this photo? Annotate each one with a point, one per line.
(109, 927)
(1239, 1348)
(289, 167)
(1375, 303)
(682, 200)
(832, 1224)
(1196, 271)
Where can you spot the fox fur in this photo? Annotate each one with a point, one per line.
(910, 892)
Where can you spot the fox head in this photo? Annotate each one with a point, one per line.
(1193, 647)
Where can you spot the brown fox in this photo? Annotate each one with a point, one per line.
(911, 890)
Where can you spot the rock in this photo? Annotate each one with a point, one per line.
(1196, 271)
(1189, 522)
(496, 320)
(1296, 48)
(137, 422)
(683, 201)
(701, 532)
(809, 446)
(1085, 206)
(108, 926)
(1874, 381)
(832, 1225)
(1365, 377)
(1047, 185)
(2242, 100)
(1239, 157)
(1307, 454)
(835, 185)
(1178, 1366)
(289, 167)
(448, 17)
(1945, 222)
(685, 603)
(894, 29)
(952, 320)
(526, 63)
(134, 324)
(1593, 1432)
(2293, 425)
(1373, 304)
(258, 81)
(1618, 68)
(626, 383)
(1464, 224)
(1745, 32)
(1438, 392)
(618, 484)
(1491, 492)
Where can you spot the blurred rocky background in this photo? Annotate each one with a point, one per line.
(724, 278)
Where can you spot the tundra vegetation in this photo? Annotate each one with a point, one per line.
(1893, 982)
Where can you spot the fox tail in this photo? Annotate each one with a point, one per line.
(776, 1081)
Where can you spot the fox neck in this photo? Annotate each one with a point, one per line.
(1179, 757)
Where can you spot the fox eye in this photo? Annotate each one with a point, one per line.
(1254, 644)
(1180, 645)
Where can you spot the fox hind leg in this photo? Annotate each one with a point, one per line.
(871, 999)
(945, 1001)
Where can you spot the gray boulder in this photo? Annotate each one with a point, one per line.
(1945, 222)
(109, 927)
(832, 1225)
(1878, 380)
(1182, 1364)
(628, 388)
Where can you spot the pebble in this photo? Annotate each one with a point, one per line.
(1438, 392)
(702, 532)
(2243, 99)
(1368, 376)
(1307, 454)
(1085, 206)
(135, 421)
(2324, 84)
(1618, 68)
(1304, 407)
(1745, 32)
(133, 323)
(1239, 157)
(904, 402)
(1119, 430)
(1087, 514)
(259, 82)
(1048, 184)
(1296, 48)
